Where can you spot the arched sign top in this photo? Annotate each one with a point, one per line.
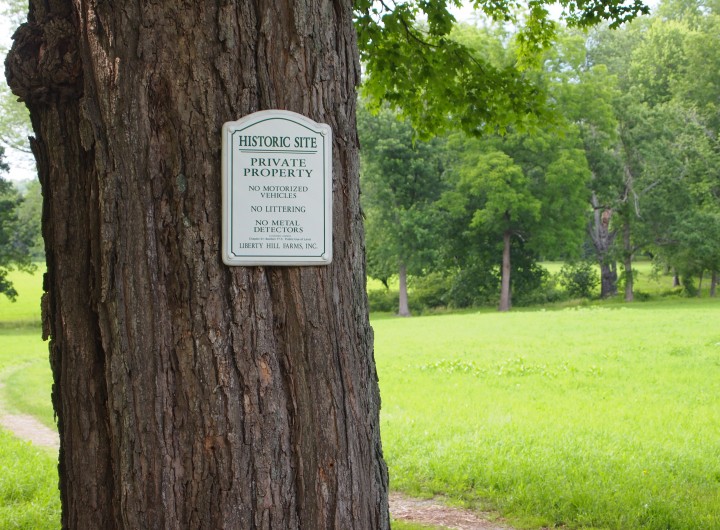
(276, 190)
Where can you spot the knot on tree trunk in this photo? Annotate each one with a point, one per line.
(44, 64)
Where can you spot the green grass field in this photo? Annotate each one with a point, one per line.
(594, 417)
(25, 372)
(598, 416)
(26, 309)
(29, 497)
(28, 486)
(24, 365)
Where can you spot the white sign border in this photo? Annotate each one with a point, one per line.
(231, 259)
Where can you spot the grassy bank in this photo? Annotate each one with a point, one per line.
(29, 496)
(596, 417)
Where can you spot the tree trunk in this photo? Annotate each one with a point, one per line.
(699, 291)
(608, 279)
(404, 307)
(627, 263)
(190, 394)
(676, 278)
(713, 283)
(603, 238)
(505, 295)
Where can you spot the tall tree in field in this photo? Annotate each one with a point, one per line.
(494, 193)
(190, 394)
(529, 188)
(673, 149)
(643, 60)
(681, 211)
(586, 93)
(401, 182)
(699, 87)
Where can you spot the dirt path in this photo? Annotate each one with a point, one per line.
(28, 428)
(431, 512)
(25, 426)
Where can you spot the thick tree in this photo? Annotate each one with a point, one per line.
(190, 394)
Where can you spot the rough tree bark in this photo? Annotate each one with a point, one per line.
(190, 394)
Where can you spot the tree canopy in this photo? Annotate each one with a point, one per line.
(413, 61)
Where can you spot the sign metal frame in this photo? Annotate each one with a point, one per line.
(276, 190)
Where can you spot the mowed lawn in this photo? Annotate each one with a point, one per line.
(593, 417)
(29, 497)
(602, 416)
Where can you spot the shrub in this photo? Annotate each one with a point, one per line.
(430, 291)
(383, 300)
(579, 279)
(473, 286)
(688, 284)
(642, 296)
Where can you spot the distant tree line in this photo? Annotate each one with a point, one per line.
(20, 240)
(624, 160)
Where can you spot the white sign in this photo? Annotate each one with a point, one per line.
(276, 190)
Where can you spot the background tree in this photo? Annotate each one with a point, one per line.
(645, 59)
(401, 182)
(14, 121)
(15, 126)
(29, 215)
(586, 94)
(699, 87)
(16, 237)
(493, 193)
(672, 144)
(439, 83)
(527, 191)
(681, 209)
